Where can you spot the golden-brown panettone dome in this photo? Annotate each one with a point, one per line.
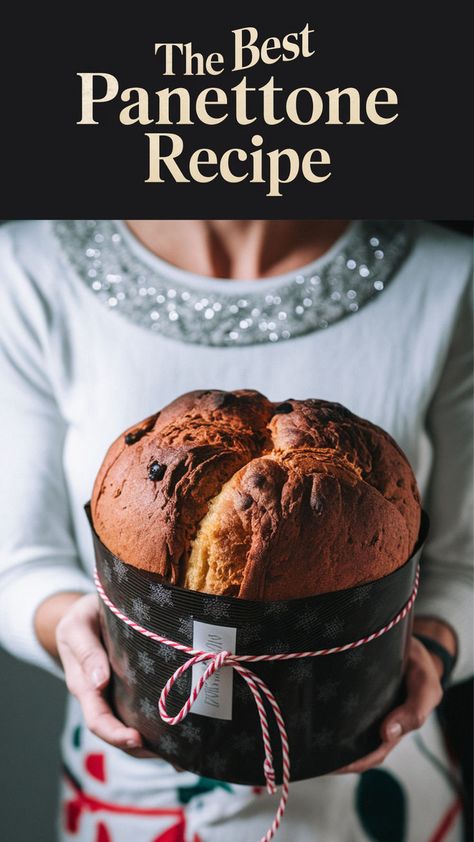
(229, 493)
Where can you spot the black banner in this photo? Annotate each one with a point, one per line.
(352, 110)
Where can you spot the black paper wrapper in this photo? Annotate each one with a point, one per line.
(332, 705)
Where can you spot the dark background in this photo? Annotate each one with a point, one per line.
(417, 167)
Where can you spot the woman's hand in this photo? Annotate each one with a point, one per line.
(424, 694)
(67, 625)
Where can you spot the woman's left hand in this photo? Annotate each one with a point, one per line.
(424, 693)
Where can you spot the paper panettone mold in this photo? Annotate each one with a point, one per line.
(332, 706)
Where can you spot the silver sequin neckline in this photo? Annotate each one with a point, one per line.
(153, 294)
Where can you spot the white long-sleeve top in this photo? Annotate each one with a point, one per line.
(83, 356)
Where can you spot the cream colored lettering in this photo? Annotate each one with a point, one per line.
(306, 52)
(195, 64)
(207, 98)
(290, 46)
(274, 168)
(138, 98)
(271, 45)
(226, 171)
(249, 47)
(201, 158)
(268, 90)
(309, 162)
(156, 157)
(247, 53)
(373, 102)
(168, 49)
(241, 91)
(292, 106)
(164, 96)
(215, 64)
(275, 176)
(334, 117)
(257, 157)
(89, 99)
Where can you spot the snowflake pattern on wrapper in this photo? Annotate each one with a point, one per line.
(140, 611)
(277, 646)
(249, 634)
(107, 573)
(146, 663)
(275, 609)
(167, 653)
(305, 621)
(130, 675)
(190, 732)
(300, 670)
(183, 683)
(333, 628)
(120, 569)
(327, 691)
(148, 708)
(185, 627)
(217, 763)
(160, 595)
(216, 610)
(361, 595)
(168, 743)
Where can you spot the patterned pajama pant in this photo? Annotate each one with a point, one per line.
(109, 796)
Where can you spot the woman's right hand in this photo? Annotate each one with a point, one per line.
(76, 641)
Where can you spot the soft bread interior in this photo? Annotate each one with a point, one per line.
(197, 564)
(207, 567)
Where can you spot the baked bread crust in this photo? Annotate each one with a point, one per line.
(228, 493)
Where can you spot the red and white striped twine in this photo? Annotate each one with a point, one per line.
(257, 687)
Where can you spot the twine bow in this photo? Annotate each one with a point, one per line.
(259, 690)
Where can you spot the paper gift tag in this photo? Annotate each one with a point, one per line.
(215, 698)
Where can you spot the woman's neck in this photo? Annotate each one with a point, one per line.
(238, 249)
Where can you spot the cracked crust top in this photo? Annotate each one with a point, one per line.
(228, 493)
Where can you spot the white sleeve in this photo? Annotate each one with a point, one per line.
(446, 589)
(37, 552)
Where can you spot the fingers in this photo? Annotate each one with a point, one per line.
(424, 694)
(79, 633)
(101, 721)
(87, 672)
(375, 758)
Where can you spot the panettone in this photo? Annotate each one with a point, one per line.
(229, 493)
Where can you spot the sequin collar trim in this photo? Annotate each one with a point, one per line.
(126, 278)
